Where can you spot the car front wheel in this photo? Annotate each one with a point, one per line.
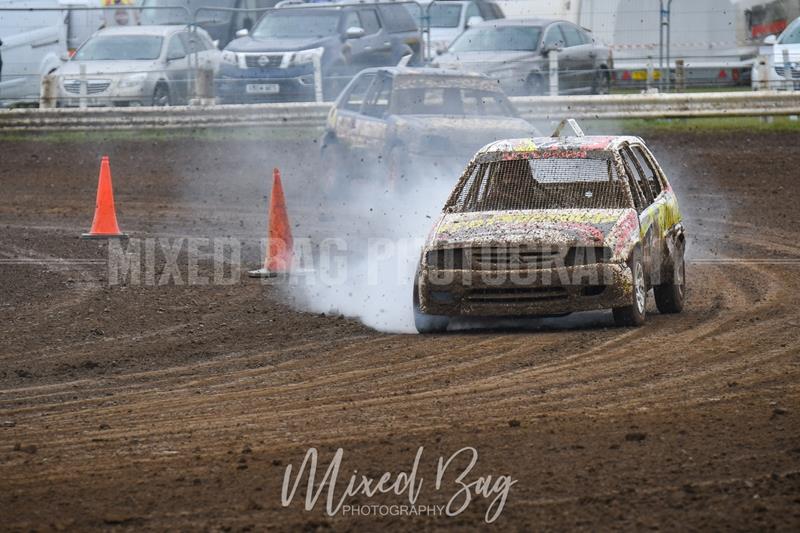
(634, 314)
(161, 96)
(425, 323)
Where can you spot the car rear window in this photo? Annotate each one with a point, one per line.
(397, 18)
(576, 180)
(449, 101)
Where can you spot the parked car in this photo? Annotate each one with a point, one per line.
(515, 53)
(220, 18)
(275, 62)
(774, 75)
(548, 226)
(388, 117)
(136, 66)
(449, 18)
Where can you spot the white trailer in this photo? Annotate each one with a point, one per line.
(716, 39)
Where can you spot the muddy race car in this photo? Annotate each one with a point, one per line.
(390, 121)
(553, 225)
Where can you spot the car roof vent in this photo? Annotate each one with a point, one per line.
(572, 124)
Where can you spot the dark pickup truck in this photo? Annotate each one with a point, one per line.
(275, 61)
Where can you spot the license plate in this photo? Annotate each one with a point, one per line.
(262, 88)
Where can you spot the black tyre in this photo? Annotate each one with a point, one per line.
(670, 296)
(602, 82)
(396, 169)
(428, 323)
(635, 313)
(334, 178)
(161, 96)
(534, 85)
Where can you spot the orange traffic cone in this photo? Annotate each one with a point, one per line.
(104, 224)
(279, 249)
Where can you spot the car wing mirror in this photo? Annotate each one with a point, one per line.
(552, 48)
(354, 32)
(770, 39)
(244, 32)
(472, 21)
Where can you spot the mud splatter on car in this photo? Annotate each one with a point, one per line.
(552, 225)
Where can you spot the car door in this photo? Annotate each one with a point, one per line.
(649, 229)
(343, 122)
(371, 125)
(176, 69)
(570, 63)
(553, 39)
(666, 214)
(374, 48)
(581, 54)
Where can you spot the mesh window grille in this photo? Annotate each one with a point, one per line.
(552, 183)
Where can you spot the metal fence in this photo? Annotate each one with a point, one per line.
(313, 115)
(687, 55)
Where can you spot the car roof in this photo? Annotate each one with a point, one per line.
(161, 29)
(566, 144)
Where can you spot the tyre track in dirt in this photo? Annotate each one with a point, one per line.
(282, 381)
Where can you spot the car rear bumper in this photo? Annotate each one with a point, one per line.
(525, 293)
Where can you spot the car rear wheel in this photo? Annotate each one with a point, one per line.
(634, 314)
(670, 296)
(396, 169)
(334, 182)
(534, 85)
(426, 323)
(161, 96)
(602, 82)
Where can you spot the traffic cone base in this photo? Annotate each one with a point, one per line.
(99, 236)
(104, 224)
(264, 273)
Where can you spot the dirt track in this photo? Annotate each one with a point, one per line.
(180, 407)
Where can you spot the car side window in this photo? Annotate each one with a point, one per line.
(369, 21)
(639, 175)
(176, 49)
(553, 38)
(473, 11)
(351, 20)
(649, 170)
(377, 102)
(638, 196)
(358, 91)
(572, 35)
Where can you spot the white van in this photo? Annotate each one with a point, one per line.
(36, 42)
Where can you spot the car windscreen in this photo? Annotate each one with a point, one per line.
(570, 180)
(278, 25)
(450, 101)
(497, 39)
(445, 15)
(792, 34)
(120, 47)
